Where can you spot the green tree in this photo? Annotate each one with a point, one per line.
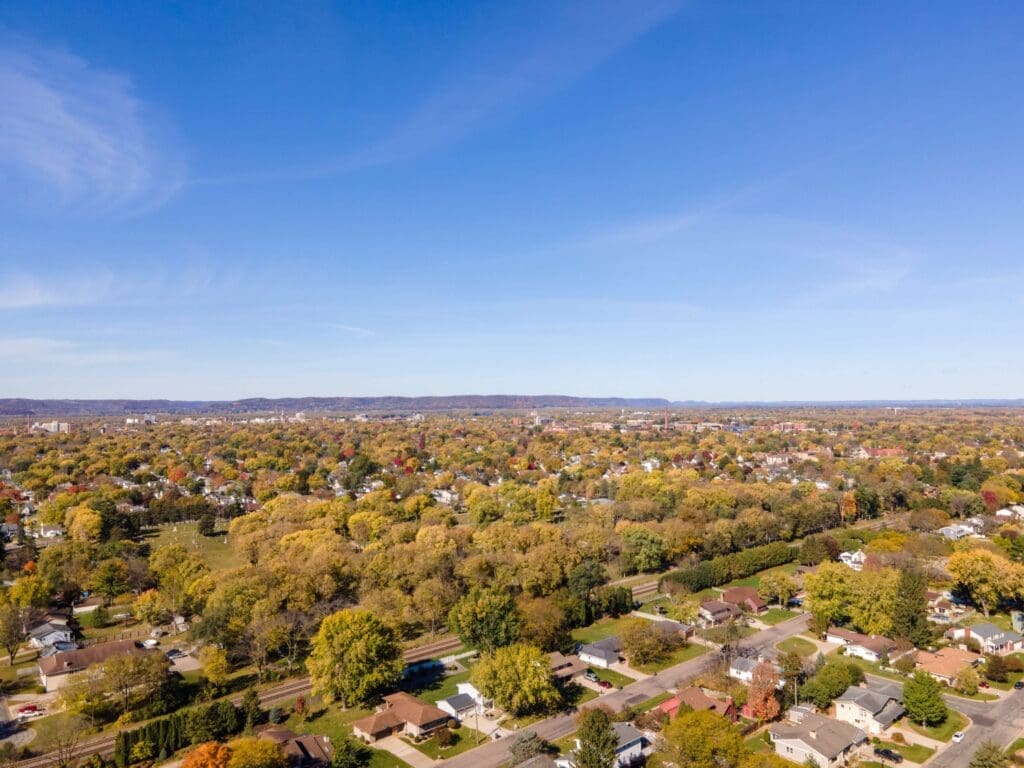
(703, 739)
(968, 681)
(989, 755)
(350, 754)
(249, 752)
(354, 658)
(110, 579)
(12, 629)
(518, 678)
(525, 745)
(910, 611)
(486, 619)
(922, 697)
(596, 740)
(644, 643)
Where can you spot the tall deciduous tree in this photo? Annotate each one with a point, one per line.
(762, 696)
(208, 755)
(702, 739)
(518, 678)
(485, 619)
(12, 629)
(354, 658)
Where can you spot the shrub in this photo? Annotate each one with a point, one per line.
(444, 737)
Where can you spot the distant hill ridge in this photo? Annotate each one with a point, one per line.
(46, 408)
(29, 408)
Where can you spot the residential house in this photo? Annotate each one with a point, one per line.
(742, 668)
(674, 629)
(853, 560)
(811, 737)
(946, 664)
(956, 532)
(565, 668)
(49, 633)
(697, 700)
(400, 713)
(869, 710)
(871, 648)
(301, 751)
(603, 653)
(746, 599)
(468, 701)
(991, 638)
(713, 613)
(56, 670)
(628, 752)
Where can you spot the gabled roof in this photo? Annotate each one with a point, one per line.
(824, 735)
(412, 710)
(883, 708)
(607, 649)
(626, 734)
(67, 662)
(459, 702)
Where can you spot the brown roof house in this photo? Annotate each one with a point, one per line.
(301, 751)
(946, 664)
(871, 648)
(746, 599)
(56, 670)
(400, 713)
(714, 612)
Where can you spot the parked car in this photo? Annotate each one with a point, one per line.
(889, 754)
(591, 676)
(174, 653)
(604, 684)
(26, 709)
(1019, 685)
(983, 684)
(958, 737)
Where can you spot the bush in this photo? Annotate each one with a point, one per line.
(444, 737)
(720, 570)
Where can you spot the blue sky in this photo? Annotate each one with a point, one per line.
(694, 200)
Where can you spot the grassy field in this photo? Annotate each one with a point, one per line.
(955, 722)
(617, 679)
(755, 581)
(214, 550)
(759, 743)
(717, 634)
(691, 651)
(433, 688)
(915, 753)
(600, 629)
(797, 645)
(777, 615)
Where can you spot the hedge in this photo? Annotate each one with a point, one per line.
(738, 565)
(167, 735)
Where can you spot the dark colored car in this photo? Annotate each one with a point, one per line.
(605, 684)
(888, 754)
(1019, 685)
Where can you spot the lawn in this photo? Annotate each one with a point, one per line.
(600, 629)
(758, 743)
(463, 738)
(434, 687)
(717, 634)
(915, 753)
(652, 702)
(687, 652)
(617, 679)
(1012, 677)
(798, 646)
(872, 668)
(955, 722)
(215, 550)
(755, 581)
(336, 724)
(777, 615)
(1015, 747)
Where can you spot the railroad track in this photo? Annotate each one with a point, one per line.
(644, 590)
(104, 745)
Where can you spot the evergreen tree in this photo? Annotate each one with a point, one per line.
(597, 741)
(910, 613)
(989, 755)
(922, 697)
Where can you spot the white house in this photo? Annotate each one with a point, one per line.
(991, 638)
(809, 737)
(603, 653)
(466, 703)
(630, 749)
(871, 648)
(854, 560)
(49, 633)
(742, 669)
(868, 710)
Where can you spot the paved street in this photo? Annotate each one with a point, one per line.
(495, 753)
(999, 721)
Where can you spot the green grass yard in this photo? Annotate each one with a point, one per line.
(463, 739)
(777, 615)
(691, 651)
(915, 753)
(652, 702)
(797, 645)
(600, 629)
(617, 679)
(955, 722)
(218, 554)
(755, 581)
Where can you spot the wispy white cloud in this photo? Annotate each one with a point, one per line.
(503, 71)
(77, 134)
(41, 350)
(24, 291)
(354, 330)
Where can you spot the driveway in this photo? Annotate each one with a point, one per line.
(404, 751)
